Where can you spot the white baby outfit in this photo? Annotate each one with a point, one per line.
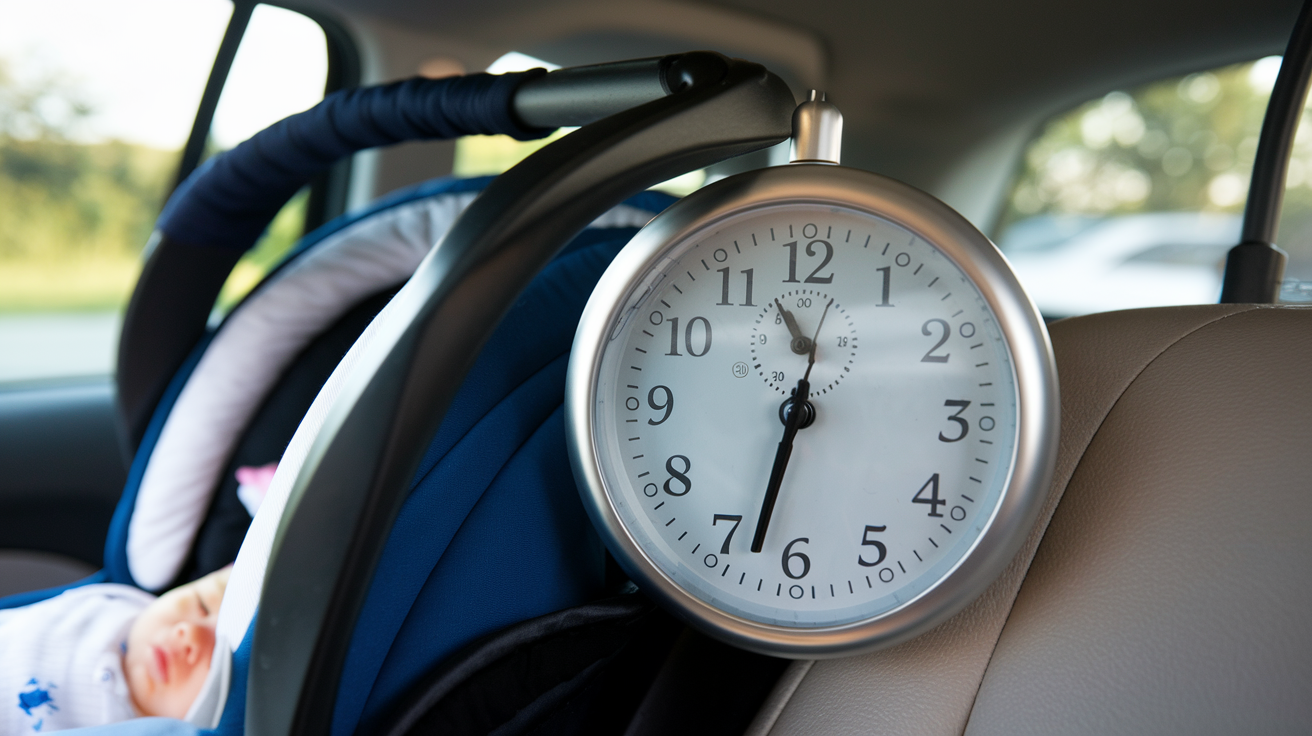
(61, 660)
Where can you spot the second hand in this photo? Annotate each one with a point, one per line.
(785, 450)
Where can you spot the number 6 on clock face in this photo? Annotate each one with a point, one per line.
(859, 380)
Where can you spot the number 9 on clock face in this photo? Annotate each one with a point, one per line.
(811, 409)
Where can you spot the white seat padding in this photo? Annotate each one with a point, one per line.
(253, 348)
(246, 358)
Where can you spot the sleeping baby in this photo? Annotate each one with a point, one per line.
(98, 654)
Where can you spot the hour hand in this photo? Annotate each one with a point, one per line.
(800, 344)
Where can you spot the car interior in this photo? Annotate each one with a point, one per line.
(424, 564)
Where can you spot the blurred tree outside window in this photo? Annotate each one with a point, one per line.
(75, 211)
(91, 126)
(96, 102)
(1134, 198)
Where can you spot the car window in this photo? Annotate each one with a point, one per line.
(90, 145)
(280, 70)
(1133, 199)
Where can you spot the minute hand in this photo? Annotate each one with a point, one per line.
(785, 451)
(781, 456)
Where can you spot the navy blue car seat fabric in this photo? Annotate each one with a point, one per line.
(493, 532)
(357, 258)
(224, 528)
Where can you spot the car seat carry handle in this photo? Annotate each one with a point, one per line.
(359, 470)
(585, 94)
(230, 202)
(221, 210)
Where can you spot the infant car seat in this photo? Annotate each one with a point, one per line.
(498, 461)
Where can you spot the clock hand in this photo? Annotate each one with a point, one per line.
(800, 343)
(781, 456)
(785, 450)
(817, 333)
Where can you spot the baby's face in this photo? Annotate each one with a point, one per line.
(170, 644)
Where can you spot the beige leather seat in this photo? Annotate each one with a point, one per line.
(1171, 593)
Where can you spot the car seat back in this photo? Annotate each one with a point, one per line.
(1169, 593)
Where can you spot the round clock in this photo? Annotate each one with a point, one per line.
(811, 409)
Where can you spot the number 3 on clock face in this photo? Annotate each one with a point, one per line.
(811, 408)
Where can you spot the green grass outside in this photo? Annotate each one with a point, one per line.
(74, 218)
(59, 285)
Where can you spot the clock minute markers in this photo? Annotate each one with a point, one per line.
(791, 424)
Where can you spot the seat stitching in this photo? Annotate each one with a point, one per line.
(530, 436)
(1043, 521)
(1059, 493)
(544, 366)
(474, 425)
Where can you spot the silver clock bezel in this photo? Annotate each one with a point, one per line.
(931, 220)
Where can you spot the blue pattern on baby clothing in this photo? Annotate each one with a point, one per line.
(35, 698)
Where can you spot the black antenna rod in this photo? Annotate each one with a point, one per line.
(1255, 267)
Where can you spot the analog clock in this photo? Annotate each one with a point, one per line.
(812, 410)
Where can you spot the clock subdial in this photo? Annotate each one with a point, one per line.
(781, 341)
(793, 420)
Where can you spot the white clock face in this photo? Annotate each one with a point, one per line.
(913, 415)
